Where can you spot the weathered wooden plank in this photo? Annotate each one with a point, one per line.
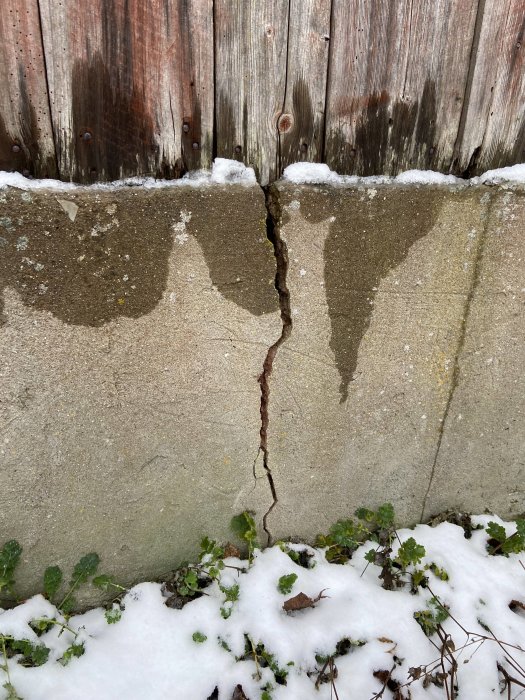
(301, 126)
(494, 126)
(26, 137)
(250, 50)
(131, 86)
(397, 78)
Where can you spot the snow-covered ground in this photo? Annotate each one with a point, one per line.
(358, 640)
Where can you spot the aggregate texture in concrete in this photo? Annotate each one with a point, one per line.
(135, 325)
(380, 279)
(154, 381)
(481, 461)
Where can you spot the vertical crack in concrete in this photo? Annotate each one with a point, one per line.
(461, 343)
(273, 222)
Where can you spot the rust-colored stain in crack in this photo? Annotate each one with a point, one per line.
(364, 243)
(113, 259)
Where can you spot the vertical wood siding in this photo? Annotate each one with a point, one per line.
(301, 125)
(26, 138)
(251, 40)
(398, 72)
(494, 130)
(113, 88)
(131, 86)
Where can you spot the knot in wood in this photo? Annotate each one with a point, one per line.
(284, 123)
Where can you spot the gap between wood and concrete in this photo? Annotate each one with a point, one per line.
(273, 224)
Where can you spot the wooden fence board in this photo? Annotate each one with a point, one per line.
(131, 86)
(397, 78)
(494, 130)
(26, 137)
(250, 54)
(301, 127)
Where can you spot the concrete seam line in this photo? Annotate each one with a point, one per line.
(459, 348)
(273, 224)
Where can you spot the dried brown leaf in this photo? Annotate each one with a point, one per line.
(414, 672)
(232, 551)
(238, 693)
(298, 602)
(382, 676)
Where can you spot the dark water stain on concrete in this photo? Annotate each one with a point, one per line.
(240, 259)
(102, 266)
(113, 260)
(367, 239)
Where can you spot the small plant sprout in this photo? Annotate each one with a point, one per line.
(9, 558)
(393, 567)
(113, 615)
(244, 527)
(72, 652)
(500, 543)
(231, 596)
(430, 619)
(286, 582)
(211, 557)
(107, 583)
(84, 569)
(4, 666)
(344, 538)
(199, 637)
(380, 520)
(52, 581)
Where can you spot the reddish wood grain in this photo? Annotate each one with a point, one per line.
(131, 86)
(494, 127)
(26, 138)
(397, 78)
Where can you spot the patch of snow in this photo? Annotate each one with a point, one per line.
(223, 172)
(320, 174)
(152, 654)
(226, 171)
(232, 172)
(427, 177)
(23, 183)
(512, 174)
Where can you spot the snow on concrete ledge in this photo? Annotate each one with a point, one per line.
(320, 174)
(513, 174)
(223, 172)
(233, 172)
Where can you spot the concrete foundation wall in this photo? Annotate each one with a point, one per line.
(136, 325)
